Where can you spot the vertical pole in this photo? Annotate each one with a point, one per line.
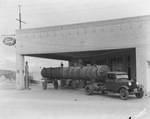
(20, 85)
(19, 16)
(26, 76)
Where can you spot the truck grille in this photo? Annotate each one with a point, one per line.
(133, 85)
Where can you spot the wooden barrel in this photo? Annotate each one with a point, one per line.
(56, 73)
(77, 73)
(65, 73)
(102, 70)
(46, 72)
(89, 72)
(71, 73)
(94, 73)
(83, 72)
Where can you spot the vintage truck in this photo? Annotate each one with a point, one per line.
(97, 78)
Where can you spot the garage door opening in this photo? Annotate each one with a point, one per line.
(35, 66)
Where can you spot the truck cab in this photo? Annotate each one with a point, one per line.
(117, 82)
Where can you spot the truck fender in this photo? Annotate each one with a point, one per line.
(140, 86)
(126, 87)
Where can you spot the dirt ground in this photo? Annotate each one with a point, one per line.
(65, 103)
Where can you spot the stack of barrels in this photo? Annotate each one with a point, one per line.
(80, 73)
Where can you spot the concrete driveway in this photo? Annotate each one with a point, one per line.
(66, 103)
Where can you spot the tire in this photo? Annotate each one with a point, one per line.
(124, 94)
(140, 94)
(89, 89)
(55, 84)
(44, 85)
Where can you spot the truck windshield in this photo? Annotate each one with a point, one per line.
(121, 76)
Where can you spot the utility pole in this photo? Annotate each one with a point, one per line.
(20, 21)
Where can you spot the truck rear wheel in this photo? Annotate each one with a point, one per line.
(55, 84)
(140, 94)
(89, 89)
(44, 85)
(124, 94)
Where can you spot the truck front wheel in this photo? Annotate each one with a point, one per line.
(140, 94)
(89, 89)
(124, 94)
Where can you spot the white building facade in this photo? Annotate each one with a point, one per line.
(122, 44)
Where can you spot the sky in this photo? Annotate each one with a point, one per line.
(43, 13)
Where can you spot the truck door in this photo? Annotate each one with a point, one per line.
(110, 82)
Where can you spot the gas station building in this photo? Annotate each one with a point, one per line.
(122, 44)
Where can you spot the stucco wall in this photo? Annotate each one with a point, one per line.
(112, 34)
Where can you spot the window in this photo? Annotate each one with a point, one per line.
(111, 76)
(87, 63)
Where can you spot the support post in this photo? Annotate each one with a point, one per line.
(148, 67)
(141, 66)
(20, 84)
(26, 76)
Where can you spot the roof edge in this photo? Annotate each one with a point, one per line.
(87, 24)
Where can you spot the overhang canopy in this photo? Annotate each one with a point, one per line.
(76, 55)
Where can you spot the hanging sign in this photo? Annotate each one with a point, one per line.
(9, 41)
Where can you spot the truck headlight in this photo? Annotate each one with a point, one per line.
(129, 83)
